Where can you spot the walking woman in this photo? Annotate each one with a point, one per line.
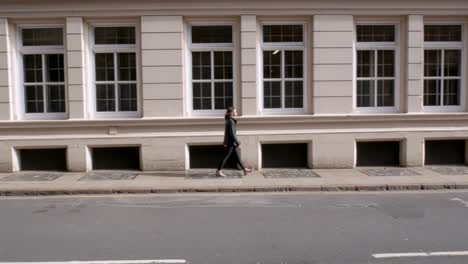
(231, 143)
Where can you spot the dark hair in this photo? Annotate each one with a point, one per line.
(229, 111)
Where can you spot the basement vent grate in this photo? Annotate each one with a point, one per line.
(33, 176)
(451, 170)
(109, 176)
(289, 173)
(388, 172)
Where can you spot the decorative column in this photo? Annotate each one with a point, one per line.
(249, 102)
(5, 72)
(415, 63)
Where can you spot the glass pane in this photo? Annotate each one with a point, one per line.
(55, 98)
(105, 97)
(223, 65)
(42, 36)
(54, 65)
(451, 92)
(104, 66)
(32, 68)
(272, 94)
(431, 92)
(293, 94)
(127, 66)
(442, 32)
(293, 66)
(385, 63)
(223, 95)
(127, 97)
(432, 63)
(365, 94)
(282, 33)
(375, 33)
(365, 63)
(385, 93)
(201, 65)
(34, 98)
(114, 35)
(452, 64)
(211, 34)
(271, 64)
(202, 96)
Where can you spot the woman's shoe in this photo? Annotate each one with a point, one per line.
(219, 173)
(247, 170)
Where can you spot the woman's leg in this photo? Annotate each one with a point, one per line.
(238, 158)
(227, 153)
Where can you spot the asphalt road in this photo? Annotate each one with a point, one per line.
(312, 228)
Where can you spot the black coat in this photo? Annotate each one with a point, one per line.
(230, 137)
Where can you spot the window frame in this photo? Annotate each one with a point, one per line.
(447, 45)
(282, 46)
(211, 47)
(39, 50)
(114, 49)
(375, 47)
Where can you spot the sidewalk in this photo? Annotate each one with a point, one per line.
(361, 179)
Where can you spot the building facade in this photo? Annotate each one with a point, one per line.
(322, 84)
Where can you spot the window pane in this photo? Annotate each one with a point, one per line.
(451, 92)
(271, 64)
(293, 67)
(32, 68)
(114, 35)
(272, 94)
(282, 33)
(42, 36)
(127, 66)
(105, 97)
(223, 65)
(127, 97)
(104, 66)
(223, 95)
(55, 98)
(385, 93)
(365, 63)
(202, 96)
(201, 65)
(385, 63)
(431, 92)
(34, 99)
(365, 94)
(432, 63)
(211, 34)
(293, 94)
(442, 32)
(54, 64)
(375, 33)
(452, 64)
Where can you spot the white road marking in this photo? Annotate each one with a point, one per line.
(465, 203)
(149, 261)
(421, 254)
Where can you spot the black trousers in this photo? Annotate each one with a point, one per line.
(227, 153)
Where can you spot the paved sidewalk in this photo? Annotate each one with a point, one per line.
(360, 179)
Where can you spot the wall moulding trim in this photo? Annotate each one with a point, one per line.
(382, 120)
(137, 137)
(280, 11)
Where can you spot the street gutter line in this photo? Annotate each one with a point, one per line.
(421, 254)
(149, 261)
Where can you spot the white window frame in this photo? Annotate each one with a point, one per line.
(211, 47)
(116, 48)
(282, 46)
(39, 50)
(447, 45)
(375, 46)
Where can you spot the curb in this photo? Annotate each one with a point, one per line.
(326, 188)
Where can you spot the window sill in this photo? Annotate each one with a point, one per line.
(443, 109)
(44, 116)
